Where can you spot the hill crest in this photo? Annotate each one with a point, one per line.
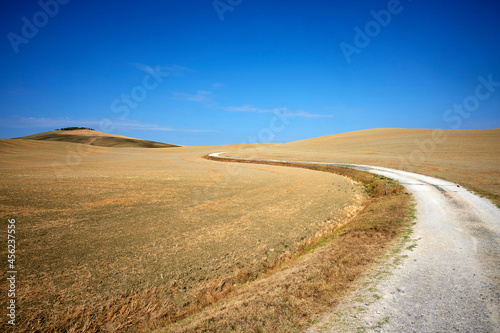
(96, 138)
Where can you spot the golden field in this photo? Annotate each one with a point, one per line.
(116, 235)
(135, 238)
(470, 158)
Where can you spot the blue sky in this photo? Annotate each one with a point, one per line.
(232, 71)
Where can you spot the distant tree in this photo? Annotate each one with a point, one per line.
(73, 128)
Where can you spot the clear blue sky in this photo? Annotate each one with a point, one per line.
(231, 71)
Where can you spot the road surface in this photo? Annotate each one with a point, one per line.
(450, 282)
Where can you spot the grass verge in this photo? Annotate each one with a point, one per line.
(294, 294)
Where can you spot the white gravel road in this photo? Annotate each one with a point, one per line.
(450, 282)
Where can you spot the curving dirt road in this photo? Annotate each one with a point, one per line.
(451, 280)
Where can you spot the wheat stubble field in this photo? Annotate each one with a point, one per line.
(113, 235)
(136, 238)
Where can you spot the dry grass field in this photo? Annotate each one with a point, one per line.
(114, 236)
(295, 294)
(470, 158)
(136, 238)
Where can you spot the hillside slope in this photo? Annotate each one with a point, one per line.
(467, 157)
(96, 138)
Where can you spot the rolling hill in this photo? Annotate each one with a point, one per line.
(96, 138)
(467, 157)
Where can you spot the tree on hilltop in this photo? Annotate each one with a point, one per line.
(73, 128)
